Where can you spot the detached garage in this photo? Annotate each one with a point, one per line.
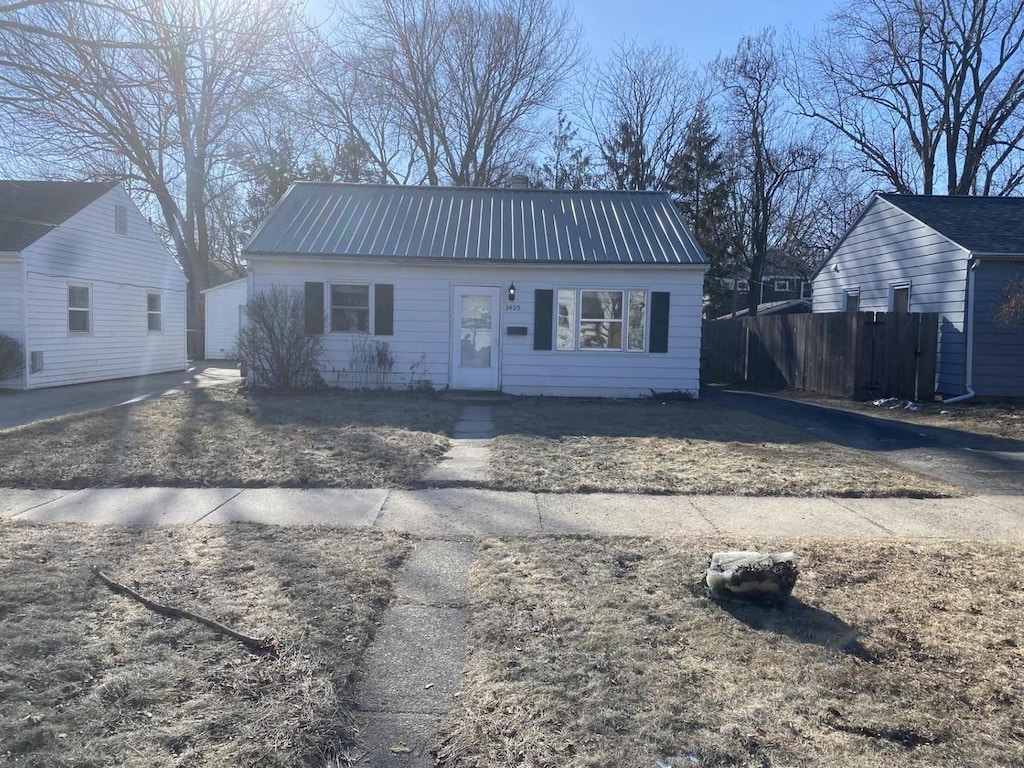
(578, 293)
(225, 305)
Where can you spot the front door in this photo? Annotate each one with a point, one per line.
(475, 338)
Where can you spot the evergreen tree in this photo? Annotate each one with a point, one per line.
(700, 180)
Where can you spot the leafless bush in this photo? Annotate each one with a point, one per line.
(371, 364)
(274, 346)
(12, 356)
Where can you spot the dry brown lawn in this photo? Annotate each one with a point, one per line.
(651, 446)
(603, 652)
(222, 436)
(90, 678)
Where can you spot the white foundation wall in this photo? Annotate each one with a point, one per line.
(120, 271)
(422, 340)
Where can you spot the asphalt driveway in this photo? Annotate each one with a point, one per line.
(987, 465)
(23, 407)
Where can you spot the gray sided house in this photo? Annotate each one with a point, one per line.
(86, 286)
(578, 293)
(950, 255)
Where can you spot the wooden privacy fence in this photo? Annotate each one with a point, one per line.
(858, 356)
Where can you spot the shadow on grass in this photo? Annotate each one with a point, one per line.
(557, 418)
(799, 621)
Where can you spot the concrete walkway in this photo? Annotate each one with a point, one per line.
(412, 672)
(467, 461)
(468, 512)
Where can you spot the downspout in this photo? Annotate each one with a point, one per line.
(969, 320)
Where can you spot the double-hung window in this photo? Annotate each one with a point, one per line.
(154, 312)
(601, 319)
(350, 308)
(79, 308)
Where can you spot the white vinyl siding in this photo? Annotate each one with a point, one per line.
(885, 247)
(120, 270)
(423, 295)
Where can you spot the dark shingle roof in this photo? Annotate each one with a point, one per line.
(982, 225)
(30, 209)
(507, 225)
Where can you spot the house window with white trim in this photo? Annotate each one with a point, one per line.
(79, 308)
(851, 300)
(899, 298)
(154, 312)
(601, 319)
(350, 308)
(783, 285)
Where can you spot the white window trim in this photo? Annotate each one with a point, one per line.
(88, 310)
(159, 313)
(898, 285)
(577, 319)
(370, 305)
(847, 293)
(784, 281)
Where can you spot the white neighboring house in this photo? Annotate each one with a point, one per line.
(538, 292)
(225, 305)
(86, 285)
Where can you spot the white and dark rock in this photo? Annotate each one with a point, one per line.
(757, 575)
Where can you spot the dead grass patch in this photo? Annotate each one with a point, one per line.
(222, 436)
(89, 678)
(650, 446)
(597, 652)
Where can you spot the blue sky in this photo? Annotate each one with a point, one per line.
(699, 29)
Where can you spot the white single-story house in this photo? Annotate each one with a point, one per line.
(522, 291)
(954, 256)
(86, 286)
(225, 305)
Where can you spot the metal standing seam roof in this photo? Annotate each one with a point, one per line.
(982, 225)
(471, 223)
(30, 209)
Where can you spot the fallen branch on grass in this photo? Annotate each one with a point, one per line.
(255, 644)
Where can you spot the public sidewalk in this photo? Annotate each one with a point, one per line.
(456, 512)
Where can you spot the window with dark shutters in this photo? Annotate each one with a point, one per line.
(314, 307)
(543, 311)
(384, 309)
(659, 321)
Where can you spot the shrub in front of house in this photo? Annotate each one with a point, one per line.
(274, 347)
(12, 356)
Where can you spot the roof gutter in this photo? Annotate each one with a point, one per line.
(969, 320)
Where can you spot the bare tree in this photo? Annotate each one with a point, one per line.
(773, 159)
(161, 117)
(637, 108)
(443, 91)
(928, 92)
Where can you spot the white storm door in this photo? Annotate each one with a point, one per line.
(475, 338)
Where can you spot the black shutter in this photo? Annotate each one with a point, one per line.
(543, 311)
(314, 307)
(659, 321)
(383, 309)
